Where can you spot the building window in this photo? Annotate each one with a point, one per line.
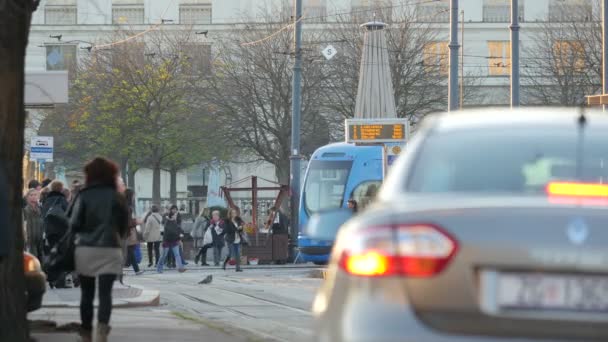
(316, 14)
(198, 57)
(499, 11)
(500, 58)
(191, 14)
(60, 15)
(127, 14)
(436, 57)
(570, 10)
(569, 56)
(435, 12)
(61, 57)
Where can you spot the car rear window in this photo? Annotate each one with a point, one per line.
(508, 160)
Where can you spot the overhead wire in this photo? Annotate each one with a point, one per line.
(124, 40)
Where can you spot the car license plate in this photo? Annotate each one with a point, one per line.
(553, 292)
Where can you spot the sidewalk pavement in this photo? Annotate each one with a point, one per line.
(122, 296)
(132, 325)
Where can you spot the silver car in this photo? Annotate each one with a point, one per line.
(493, 226)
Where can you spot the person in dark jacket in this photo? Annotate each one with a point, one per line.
(100, 219)
(233, 230)
(217, 233)
(170, 257)
(56, 198)
(171, 241)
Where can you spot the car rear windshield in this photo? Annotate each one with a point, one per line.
(503, 160)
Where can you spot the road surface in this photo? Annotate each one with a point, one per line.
(268, 304)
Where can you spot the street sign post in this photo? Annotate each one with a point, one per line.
(41, 149)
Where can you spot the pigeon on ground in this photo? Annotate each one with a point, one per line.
(207, 280)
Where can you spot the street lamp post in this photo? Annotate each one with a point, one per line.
(604, 48)
(453, 82)
(294, 179)
(514, 53)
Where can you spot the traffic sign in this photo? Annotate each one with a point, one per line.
(329, 52)
(41, 148)
(392, 152)
(376, 131)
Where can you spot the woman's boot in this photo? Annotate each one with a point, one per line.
(103, 330)
(225, 262)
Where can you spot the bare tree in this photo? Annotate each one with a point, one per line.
(250, 92)
(565, 61)
(15, 19)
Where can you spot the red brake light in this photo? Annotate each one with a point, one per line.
(412, 250)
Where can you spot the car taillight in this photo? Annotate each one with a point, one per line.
(30, 263)
(577, 193)
(571, 189)
(419, 250)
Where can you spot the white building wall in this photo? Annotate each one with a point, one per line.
(94, 18)
(94, 12)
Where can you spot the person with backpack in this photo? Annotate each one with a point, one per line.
(54, 216)
(55, 225)
(152, 226)
(171, 241)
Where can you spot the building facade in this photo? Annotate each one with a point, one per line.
(63, 30)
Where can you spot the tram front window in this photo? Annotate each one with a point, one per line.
(325, 184)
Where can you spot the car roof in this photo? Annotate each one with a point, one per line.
(519, 117)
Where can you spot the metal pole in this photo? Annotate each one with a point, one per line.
(462, 59)
(294, 180)
(604, 48)
(514, 53)
(453, 77)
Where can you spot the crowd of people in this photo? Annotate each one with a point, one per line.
(98, 219)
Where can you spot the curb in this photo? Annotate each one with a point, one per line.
(318, 274)
(146, 298)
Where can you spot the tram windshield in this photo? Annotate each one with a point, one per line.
(325, 185)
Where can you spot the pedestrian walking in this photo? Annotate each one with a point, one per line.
(216, 226)
(32, 214)
(233, 230)
(171, 241)
(198, 234)
(132, 238)
(54, 210)
(178, 220)
(100, 220)
(152, 236)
